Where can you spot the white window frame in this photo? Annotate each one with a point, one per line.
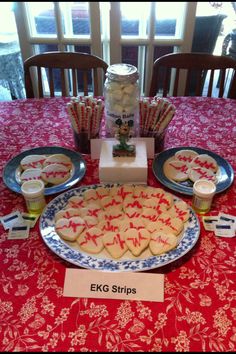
(108, 46)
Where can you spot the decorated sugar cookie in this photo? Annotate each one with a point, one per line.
(67, 213)
(32, 161)
(90, 221)
(154, 204)
(137, 240)
(185, 155)
(115, 244)
(55, 174)
(133, 203)
(60, 159)
(91, 210)
(30, 173)
(115, 191)
(112, 202)
(130, 223)
(113, 214)
(149, 215)
(205, 161)
(162, 242)
(90, 195)
(176, 170)
(108, 225)
(76, 202)
(90, 240)
(70, 229)
(197, 172)
(180, 210)
(171, 224)
(140, 191)
(102, 192)
(126, 190)
(166, 200)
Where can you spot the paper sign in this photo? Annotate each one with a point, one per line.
(96, 145)
(109, 285)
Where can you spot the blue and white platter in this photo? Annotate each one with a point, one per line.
(225, 174)
(70, 251)
(12, 169)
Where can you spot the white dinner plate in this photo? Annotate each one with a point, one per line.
(70, 251)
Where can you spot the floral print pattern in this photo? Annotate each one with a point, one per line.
(198, 312)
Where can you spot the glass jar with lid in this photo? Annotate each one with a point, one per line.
(121, 94)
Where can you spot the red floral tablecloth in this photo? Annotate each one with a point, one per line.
(199, 310)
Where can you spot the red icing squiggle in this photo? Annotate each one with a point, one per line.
(159, 239)
(117, 241)
(137, 240)
(71, 225)
(89, 237)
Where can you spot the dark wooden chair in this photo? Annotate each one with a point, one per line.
(197, 63)
(76, 71)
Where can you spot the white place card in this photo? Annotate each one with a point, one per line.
(96, 145)
(109, 285)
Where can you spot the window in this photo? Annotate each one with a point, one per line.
(128, 32)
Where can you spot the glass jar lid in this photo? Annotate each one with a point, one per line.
(122, 72)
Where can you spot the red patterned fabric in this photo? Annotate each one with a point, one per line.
(199, 310)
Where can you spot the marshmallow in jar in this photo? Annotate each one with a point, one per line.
(121, 93)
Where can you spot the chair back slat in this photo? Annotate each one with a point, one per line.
(74, 82)
(210, 87)
(85, 79)
(80, 64)
(51, 83)
(40, 82)
(222, 82)
(63, 83)
(95, 81)
(176, 82)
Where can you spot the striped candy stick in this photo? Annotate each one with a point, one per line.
(169, 109)
(168, 117)
(145, 111)
(81, 114)
(88, 111)
(73, 117)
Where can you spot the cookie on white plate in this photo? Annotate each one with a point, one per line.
(60, 159)
(162, 242)
(176, 170)
(76, 202)
(90, 221)
(55, 174)
(168, 223)
(115, 244)
(130, 223)
(69, 229)
(32, 161)
(108, 225)
(109, 201)
(90, 196)
(102, 192)
(137, 240)
(90, 240)
(180, 210)
(67, 213)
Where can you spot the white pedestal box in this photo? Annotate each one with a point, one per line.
(131, 170)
